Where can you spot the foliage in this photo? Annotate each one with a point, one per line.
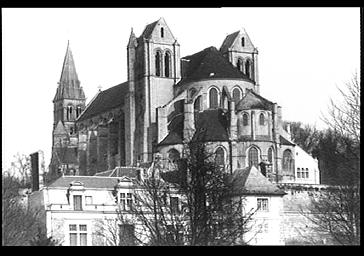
(41, 239)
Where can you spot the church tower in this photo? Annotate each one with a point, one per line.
(240, 51)
(68, 103)
(153, 69)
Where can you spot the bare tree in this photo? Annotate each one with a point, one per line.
(21, 168)
(19, 223)
(337, 210)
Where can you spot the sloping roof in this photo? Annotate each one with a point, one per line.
(60, 129)
(106, 100)
(149, 29)
(66, 155)
(229, 40)
(252, 100)
(210, 125)
(251, 181)
(209, 61)
(284, 141)
(131, 172)
(88, 181)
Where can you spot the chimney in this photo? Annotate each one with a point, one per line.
(36, 170)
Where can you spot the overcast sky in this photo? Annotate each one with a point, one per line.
(304, 53)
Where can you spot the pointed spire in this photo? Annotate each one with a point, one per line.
(69, 85)
(132, 39)
(69, 73)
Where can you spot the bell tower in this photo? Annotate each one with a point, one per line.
(68, 103)
(153, 69)
(240, 51)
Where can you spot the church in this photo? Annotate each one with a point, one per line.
(167, 100)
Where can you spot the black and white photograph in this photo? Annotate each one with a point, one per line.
(225, 126)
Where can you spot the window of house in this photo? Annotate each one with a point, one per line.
(261, 119)
(162, 32)
(299, 173)
(306, 173)
(126, 201)
(236, 95)
(126, 234)
(173, 156)
(253, 157)
(77, 202)
(158, 63)
(263, 228)
(243, 41)
(167, 61)
(262, 204)
(78, 234)
(213, 96)
(245, 119)
(220, 157)
(174, 204)
(174, 234)
(88, 200)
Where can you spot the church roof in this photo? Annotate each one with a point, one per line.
(229, 40)
(60, 129)
(252, 100)
(69, 85)
(251, 181)
(284, 141)
(149, 29)
(106, 100)
(209, 63)
(211, 125)
(66, 155)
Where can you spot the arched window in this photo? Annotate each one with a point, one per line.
(173, 155)
(243, 41)
(270, 155)
(261, 119)
(245, 119)
(287, 161)
(239, 64)
(69, 112)
(167, 61)
(162, 32)
(158, 63)
(236, 95)
(253, 157)
(78, 111)
(213, 96)
(220, 157)
(247, 68)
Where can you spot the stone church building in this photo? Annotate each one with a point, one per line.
(212, 95)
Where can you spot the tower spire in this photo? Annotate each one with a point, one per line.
(69, 85)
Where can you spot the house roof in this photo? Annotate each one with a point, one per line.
(88, 181)
(209, 63)
(252, 100)
(131, 172)
(106, 100)
(251, 181)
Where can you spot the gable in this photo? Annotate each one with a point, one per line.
(60, 129)
(252, 100)
(153, 31)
